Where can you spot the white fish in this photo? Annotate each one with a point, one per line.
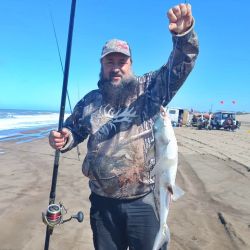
(165, 170)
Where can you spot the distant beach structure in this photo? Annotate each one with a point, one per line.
(26, 125)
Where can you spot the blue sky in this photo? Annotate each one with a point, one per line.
(30, 71)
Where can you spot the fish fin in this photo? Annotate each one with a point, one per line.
(170, 189)
(177, 192)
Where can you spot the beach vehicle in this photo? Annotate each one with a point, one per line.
(178, 116)
(202, 121)
(225, 120)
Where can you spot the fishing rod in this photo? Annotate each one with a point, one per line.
(54, 214)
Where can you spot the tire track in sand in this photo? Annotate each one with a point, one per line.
(197, 219)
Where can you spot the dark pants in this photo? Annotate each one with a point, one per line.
(122, 224)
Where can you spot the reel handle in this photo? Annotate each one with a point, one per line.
(79, 216)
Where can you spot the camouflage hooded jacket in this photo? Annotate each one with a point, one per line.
(120, 153)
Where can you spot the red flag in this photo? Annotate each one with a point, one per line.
(221, 102)
(233, 101)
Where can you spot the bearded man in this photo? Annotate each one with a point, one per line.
(117, 119)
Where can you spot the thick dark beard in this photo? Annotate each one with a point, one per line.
(119, 95)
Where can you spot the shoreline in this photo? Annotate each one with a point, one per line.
(23, 135)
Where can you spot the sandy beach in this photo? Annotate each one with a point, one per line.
(214, 213)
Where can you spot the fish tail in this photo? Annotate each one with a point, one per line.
(167, 235)
(163, 236)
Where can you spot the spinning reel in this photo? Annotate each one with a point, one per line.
(54, 215)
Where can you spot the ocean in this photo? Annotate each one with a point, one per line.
(26, 125)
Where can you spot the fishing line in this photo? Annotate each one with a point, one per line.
(171, 62)
(59, 54)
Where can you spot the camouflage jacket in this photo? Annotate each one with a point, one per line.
(120, 153)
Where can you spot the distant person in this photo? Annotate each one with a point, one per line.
(229, 123)
(117, 119)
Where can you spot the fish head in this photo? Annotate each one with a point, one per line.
(165, 140)
(162, 121)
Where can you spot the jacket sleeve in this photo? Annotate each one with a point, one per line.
(75, 124)
(165, 82)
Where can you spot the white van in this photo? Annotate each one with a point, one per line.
(178, 116)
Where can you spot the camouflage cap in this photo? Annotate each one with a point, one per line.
(116, 46)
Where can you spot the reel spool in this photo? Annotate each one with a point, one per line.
(54, 215)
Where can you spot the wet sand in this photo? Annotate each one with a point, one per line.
(214, 213)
